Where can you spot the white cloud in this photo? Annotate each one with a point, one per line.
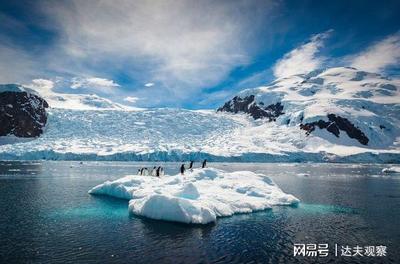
(302, 59)
(42, 86)
(93, 83)
(131, 99)
(149, 84)
(102, 82)
(378, 56)
(43, 83)
(182, 45)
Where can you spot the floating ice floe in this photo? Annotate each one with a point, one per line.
(303, 175)
(395, 169)
(198, 197)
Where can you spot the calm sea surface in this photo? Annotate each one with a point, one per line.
(47, 216)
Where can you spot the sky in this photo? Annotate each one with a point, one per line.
(190, 54)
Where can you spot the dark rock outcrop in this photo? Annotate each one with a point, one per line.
(335, 125)
(22, 114)
(249, 105)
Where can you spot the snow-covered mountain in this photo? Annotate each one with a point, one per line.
(293, 108)
(74, 101)
(342, 106)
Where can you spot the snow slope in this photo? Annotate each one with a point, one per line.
(197, 197)
(73, 101)
(369, 101)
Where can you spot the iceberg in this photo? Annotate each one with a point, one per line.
(198, 197)
(395, 169)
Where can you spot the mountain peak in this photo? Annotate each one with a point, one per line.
(68, 101)
(329, 103)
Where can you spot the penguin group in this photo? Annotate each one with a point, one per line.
(156, 171)
(183, 169)
(159, 171)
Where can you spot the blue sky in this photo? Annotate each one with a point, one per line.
(191, 54)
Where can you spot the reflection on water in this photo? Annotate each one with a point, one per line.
(48, 216)
(101, 207)
(325, 209)
(16, 168)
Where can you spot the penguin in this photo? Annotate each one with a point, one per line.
(153, 172)
(158, 171)
(191, 165)
(183, 169)
(204, 164)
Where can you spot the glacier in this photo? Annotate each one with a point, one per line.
(87, 127)
(198, 197)
(178, 134)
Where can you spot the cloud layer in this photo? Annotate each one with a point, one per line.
(179, 53)
(131, 99)
(183, 45)
(94, 82)
(377, 57)
(302, 59)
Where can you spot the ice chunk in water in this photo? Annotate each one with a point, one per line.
(198, 197)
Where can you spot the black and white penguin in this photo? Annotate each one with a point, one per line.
(183, 169)
(204, 164)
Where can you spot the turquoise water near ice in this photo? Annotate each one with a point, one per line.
(47, 216)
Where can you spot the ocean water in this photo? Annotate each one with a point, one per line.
(47, 216)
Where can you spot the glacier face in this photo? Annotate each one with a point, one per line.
(371, 102)
(176, 134)
(122, 134)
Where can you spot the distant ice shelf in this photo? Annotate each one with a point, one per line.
(178, 134)
(198, 197)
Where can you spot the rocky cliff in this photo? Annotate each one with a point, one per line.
(22, 114)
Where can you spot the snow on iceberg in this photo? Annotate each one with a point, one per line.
(198, 197)
(395, 169)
